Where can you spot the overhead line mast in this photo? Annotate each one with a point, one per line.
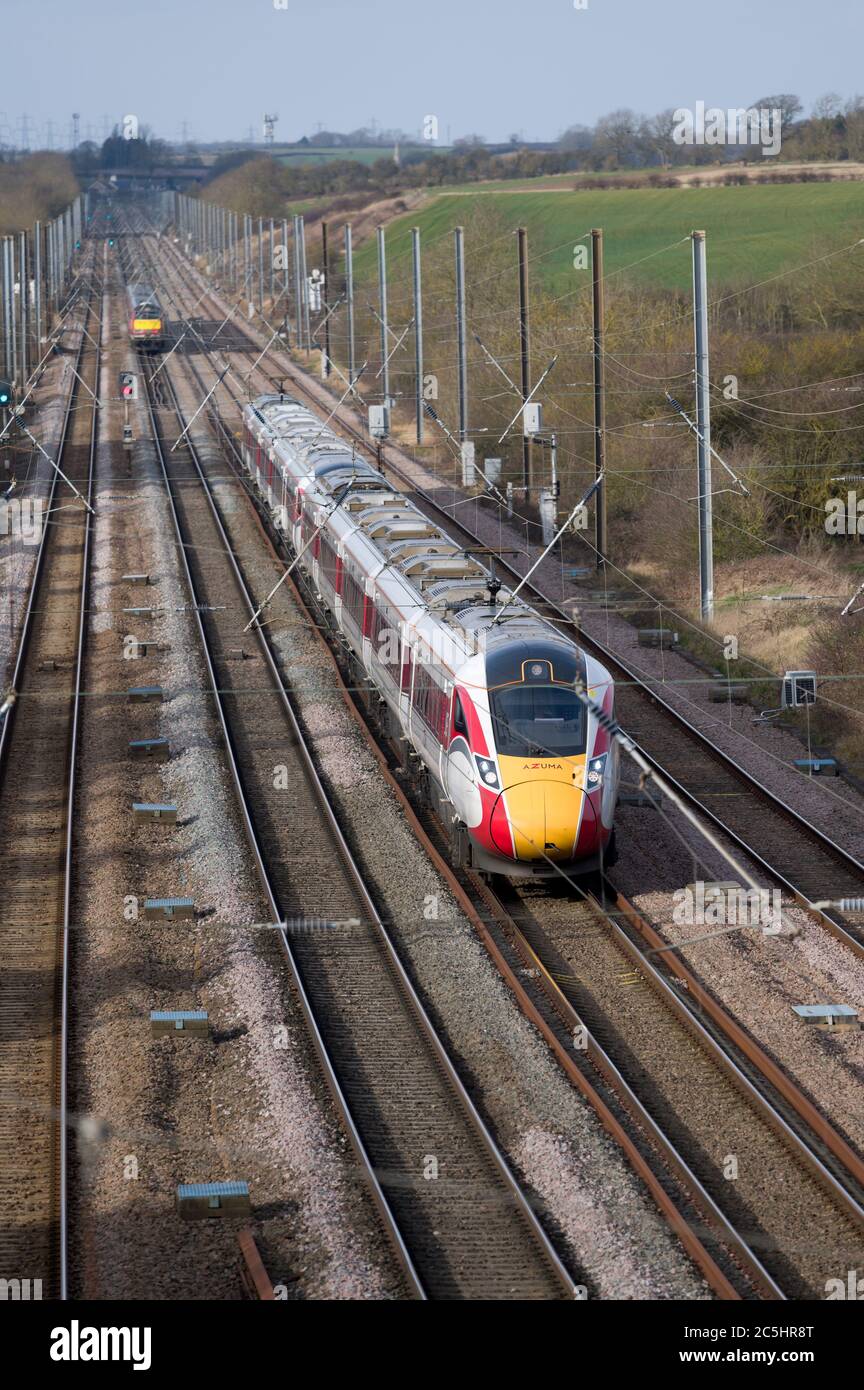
(703, 427)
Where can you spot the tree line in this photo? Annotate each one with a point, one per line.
(619, 141)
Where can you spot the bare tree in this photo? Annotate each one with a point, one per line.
(827, 107)
(853, 119)
(577, 137)
(787, 104)
(655, 136)
(616, 137)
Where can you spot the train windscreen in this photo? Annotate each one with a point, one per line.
(538, 720)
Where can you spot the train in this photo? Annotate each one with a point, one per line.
(146, 320)
(472, 683)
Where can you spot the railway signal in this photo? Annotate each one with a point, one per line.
(128, 386)
(5, 395)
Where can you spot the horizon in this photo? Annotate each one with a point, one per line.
(779, 46)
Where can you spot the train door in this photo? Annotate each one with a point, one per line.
(459, 775)
(269, 477)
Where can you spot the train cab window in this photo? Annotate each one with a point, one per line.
(460, 723)
(538, 720)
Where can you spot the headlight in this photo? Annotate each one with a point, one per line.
(488, 775)
(596, 769)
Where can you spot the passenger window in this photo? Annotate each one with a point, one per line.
(460, 723)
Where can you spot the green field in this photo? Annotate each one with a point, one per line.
(753, 232)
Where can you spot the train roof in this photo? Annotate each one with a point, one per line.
(418, 553)
(140, 293)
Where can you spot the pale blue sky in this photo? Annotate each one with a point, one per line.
(492, 66)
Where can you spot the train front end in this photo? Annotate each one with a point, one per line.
(545, 776)
(146, 324)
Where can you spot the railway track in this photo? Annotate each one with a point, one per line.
(701, 1212)
(714, 1101)
(38, 744)
(810, 1166)
(677, 1057)
(793, 853)
(470, 1232)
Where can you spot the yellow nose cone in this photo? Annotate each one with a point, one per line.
(544, 817)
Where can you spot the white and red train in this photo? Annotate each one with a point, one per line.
(479, 690)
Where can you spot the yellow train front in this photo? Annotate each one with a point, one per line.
(146, 320)
(532, 772)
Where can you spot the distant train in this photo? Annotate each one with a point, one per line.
(146, 322)
(481, 690)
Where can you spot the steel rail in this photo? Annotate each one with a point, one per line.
(49, 536)
(444, 1062)
(277, 916)
(772, 1073)
(678, 1164)
(621, 669)
(26, 623)
(690, 1238)
(70, 821)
